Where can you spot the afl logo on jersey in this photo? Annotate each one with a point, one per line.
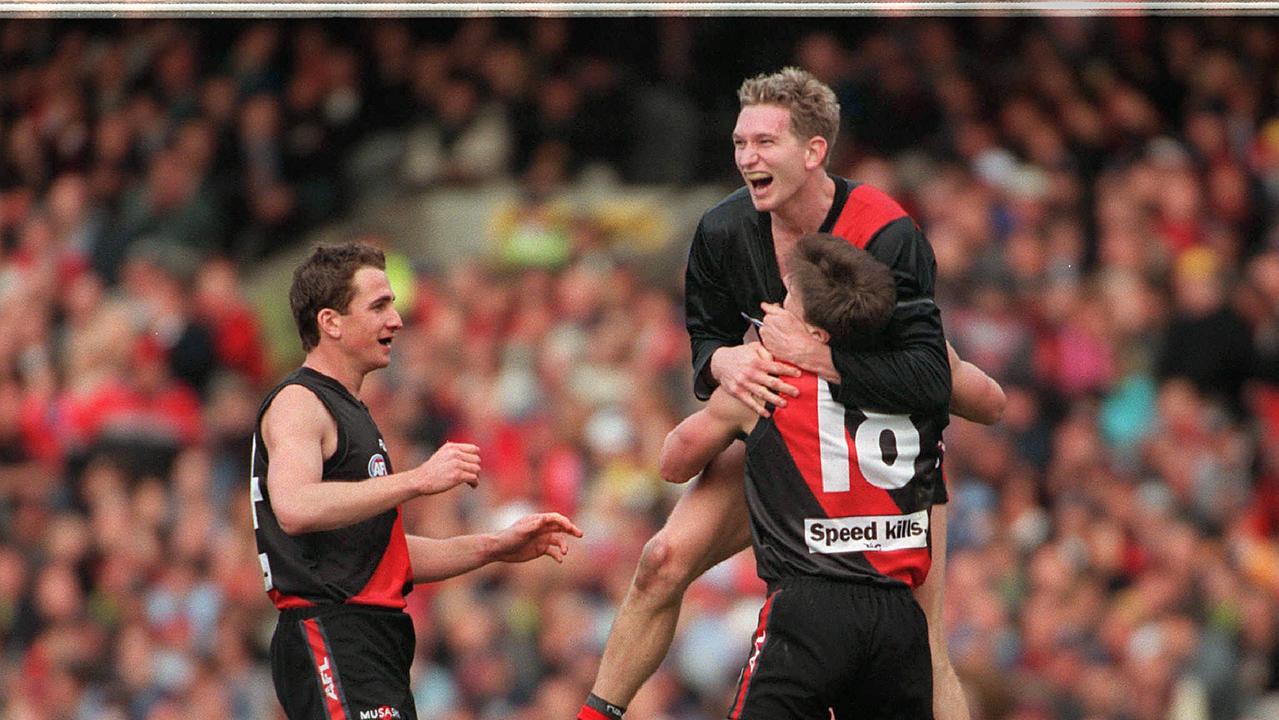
(377, 465)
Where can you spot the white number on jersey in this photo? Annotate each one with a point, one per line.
(255, 497)
(874, 464)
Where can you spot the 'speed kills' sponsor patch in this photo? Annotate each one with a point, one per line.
(867, 533)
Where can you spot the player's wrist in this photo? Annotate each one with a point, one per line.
(490, 548)
(715, 366)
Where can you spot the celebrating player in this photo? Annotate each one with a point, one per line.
(334, 555)
(782, 140)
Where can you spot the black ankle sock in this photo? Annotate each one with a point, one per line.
(613, 712)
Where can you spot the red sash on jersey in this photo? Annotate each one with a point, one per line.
(865, 213)
(798, 425)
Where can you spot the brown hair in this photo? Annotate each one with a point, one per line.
(814, 110)
(324, 281)
(844, 290)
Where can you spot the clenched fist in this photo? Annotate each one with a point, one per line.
(452, 465)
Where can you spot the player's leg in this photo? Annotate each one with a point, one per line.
(949, 701)
(708, 525)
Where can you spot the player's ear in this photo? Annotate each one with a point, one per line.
(330, 323)
(815, 153)
(822, 336)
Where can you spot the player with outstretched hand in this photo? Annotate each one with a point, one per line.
(326, 506)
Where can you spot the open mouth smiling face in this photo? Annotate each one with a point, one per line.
(759, 181)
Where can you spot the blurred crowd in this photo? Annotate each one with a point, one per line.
(1100, 194)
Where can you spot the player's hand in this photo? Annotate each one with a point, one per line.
(750, 374)
(533, 536)
(787, 337)
(452, 465)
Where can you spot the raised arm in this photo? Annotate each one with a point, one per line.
(711, 315)
(294, 430)
(715, 325)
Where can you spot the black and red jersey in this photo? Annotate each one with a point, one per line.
(840, 492)
(732, 268)
(363, 564)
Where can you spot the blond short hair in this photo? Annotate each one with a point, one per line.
(814, 110)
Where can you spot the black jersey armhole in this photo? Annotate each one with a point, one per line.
(340, 448)
(761, 427)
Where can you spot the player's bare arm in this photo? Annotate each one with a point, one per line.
(528, 538)
(975, 395)
(299, 433)
(691, 446)
(751, 374)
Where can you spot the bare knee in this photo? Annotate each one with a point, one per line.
(664, 572)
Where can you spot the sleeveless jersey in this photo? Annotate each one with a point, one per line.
(840, 492)
(363, 564)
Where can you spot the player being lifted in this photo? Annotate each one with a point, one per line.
(782, 141)
(839, 503)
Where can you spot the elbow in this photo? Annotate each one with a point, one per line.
(671, 472)
(998, 401)
(293, 523)
(669, 465)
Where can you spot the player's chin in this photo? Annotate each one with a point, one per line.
(762, 204)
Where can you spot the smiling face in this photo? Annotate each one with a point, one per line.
(371, 321)
(774, 162)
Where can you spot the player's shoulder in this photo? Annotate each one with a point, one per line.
(872, 200)
(294, 405)
(871, 213)
(727, 215)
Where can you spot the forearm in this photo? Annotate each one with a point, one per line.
(317, 506)
(913, 379)
(705, 379)
(435, 559)
(819, 360)
(975, 395)
(690, 447)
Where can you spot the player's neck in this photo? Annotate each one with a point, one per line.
(329, 362)
(805, 211)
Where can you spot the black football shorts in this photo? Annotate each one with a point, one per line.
(343, 662)
(857, 650)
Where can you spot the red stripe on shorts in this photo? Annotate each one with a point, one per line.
(324, 670)
(757, 647)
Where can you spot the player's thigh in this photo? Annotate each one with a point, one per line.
(710, 522)
(349, 664)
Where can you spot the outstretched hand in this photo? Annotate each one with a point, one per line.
(533, 536)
